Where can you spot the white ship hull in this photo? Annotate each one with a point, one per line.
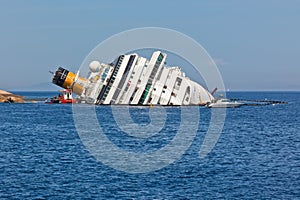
(133, 80)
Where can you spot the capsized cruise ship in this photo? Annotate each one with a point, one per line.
(134, 80)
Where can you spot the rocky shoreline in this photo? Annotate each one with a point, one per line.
(7, 97)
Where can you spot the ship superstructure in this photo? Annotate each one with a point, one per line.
(134, 80)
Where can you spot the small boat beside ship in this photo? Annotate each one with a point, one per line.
(65, 97)
(224, 103)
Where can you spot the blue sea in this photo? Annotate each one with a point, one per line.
(257, 155)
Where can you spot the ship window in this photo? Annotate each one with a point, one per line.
(160, 57)
(165, 87)
(154, 89)
(178, 80)
(163, 91)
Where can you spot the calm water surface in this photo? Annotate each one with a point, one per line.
(256, 157)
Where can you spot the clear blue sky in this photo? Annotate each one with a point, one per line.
(256, 44)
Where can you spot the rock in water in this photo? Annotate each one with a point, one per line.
(7, 97)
